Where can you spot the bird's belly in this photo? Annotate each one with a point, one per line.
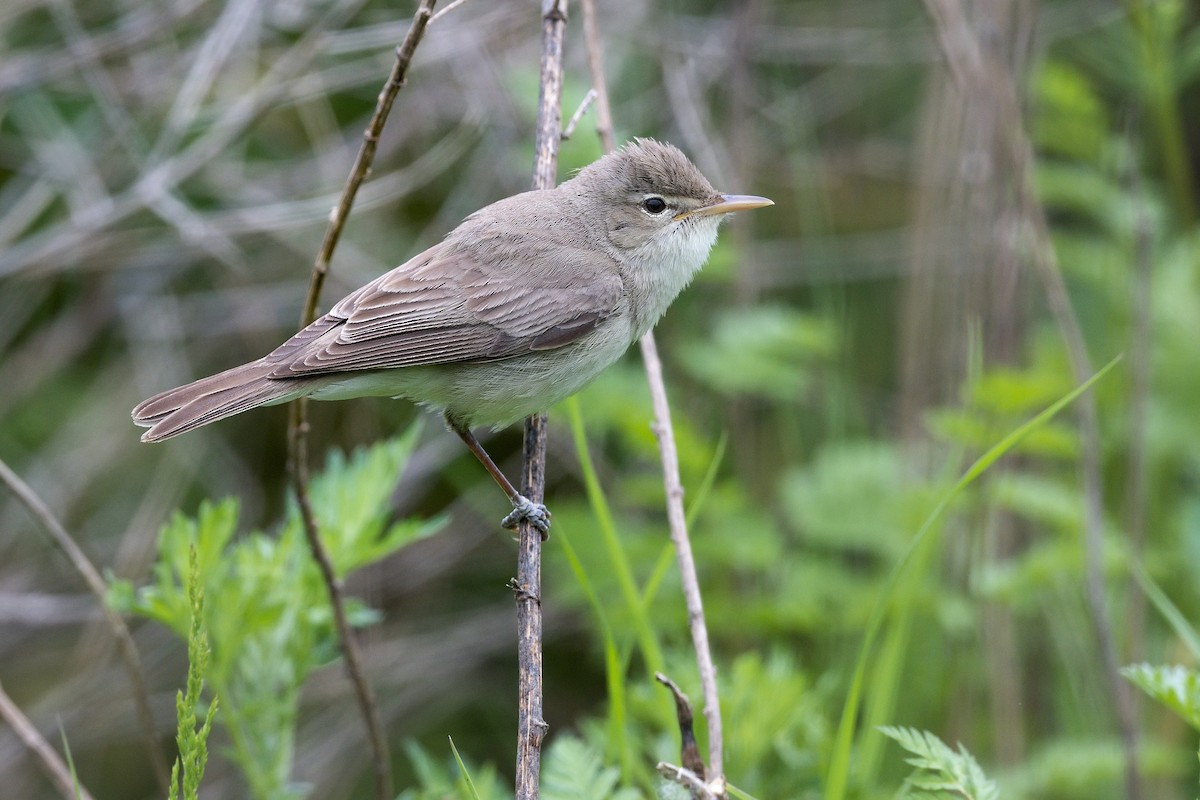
(492, 392)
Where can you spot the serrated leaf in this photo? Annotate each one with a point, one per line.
(572, 770)
(942, 773)
(1176, 687)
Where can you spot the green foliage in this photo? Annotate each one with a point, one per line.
(777, 729)
(1176, 687)
(193, 744)
(791, 346)
(766, 350)
(267, 614)
(1072, 121)
(464, 772)
(452, 778)
(75, 787)
(573, 770)
(839, 768)
(1071, 769)
(942, 773)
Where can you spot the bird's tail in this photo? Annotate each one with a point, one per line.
(233, 391)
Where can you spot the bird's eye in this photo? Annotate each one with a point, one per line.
(654, 205)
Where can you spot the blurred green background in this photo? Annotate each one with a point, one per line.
(166, 171)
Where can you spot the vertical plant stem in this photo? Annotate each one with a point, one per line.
(595, 61)
(666, 443)
(1141, 335)
(531, 727)
(298, 414)
(687, 565)
(91, 576)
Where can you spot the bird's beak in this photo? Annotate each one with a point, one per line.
(727, 205)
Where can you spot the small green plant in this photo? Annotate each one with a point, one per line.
(454, 779)
(268, 615)
(942, 773)
(193, 744)
(575, 771)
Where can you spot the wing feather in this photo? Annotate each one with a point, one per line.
(450, 305)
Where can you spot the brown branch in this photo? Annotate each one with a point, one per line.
(58, 772)
(1141, 336)
(298, 414)
(531, 727)
(595, 61)
(91, 576)
(689, 753)
(365, 157)
(664, 432)
(971, 70)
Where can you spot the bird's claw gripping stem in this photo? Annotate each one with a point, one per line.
(525, 509)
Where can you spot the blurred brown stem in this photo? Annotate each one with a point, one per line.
(663, 430)
(129, 654)
(972, 70)
(298, 415)
(531, 727)
(1141, 336)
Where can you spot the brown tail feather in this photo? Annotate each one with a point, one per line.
(233, 391)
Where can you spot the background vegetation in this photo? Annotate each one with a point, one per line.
(166, 169)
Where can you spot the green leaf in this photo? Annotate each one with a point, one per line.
(765, 351)
(942, 773)
(572, 770)
(462, 768)
(1176, 687)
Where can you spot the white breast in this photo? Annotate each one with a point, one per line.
(660, 269)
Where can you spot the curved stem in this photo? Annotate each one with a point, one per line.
(298, 415)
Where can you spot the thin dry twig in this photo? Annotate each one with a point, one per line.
(713, 790)
(446, 10)
(595, 61)
(584, 105)
(58, 772)
(666, 444)
(683, 555)
(531, 727)
(91, 576)
(971, 68)
(689, 753)
(297, 418)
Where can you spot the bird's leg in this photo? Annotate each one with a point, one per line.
(523, 508)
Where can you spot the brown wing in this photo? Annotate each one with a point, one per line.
(451, 305)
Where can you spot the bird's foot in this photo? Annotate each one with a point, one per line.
(535, 514)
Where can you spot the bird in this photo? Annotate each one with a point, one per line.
(517, 308)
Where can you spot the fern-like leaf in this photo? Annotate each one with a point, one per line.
(942, 773)
(1176, 687)
(574, 771)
